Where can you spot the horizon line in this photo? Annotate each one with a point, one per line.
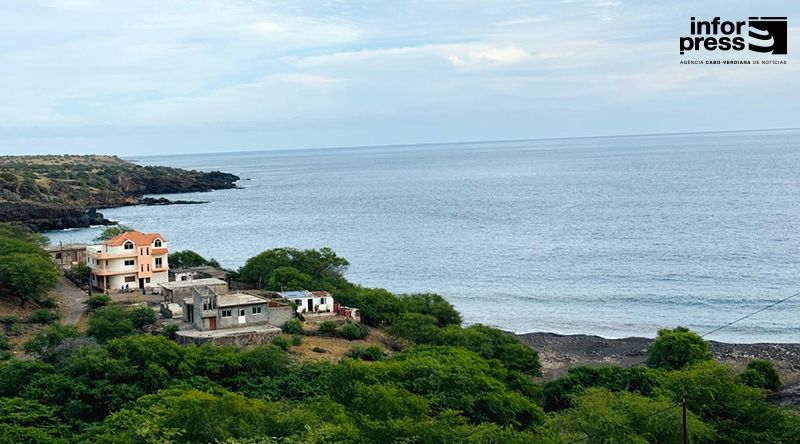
(471, 142)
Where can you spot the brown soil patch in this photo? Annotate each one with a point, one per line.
(335, 348)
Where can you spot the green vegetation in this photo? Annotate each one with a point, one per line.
(446, 383)
(678, 348)
(26, 271)
(113, 231)
(97, 301)
(188, 258)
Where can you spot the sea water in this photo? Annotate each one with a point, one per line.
(613, 236)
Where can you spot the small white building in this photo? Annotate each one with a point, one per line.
(310, 301)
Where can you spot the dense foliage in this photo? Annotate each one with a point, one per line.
(678, 348)
(188, 258)
(26, 271)
(443, 383)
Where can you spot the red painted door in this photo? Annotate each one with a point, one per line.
(212, 323)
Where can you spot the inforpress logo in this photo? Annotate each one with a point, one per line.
(768, 34)
(758, 34)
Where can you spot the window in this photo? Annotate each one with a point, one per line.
(130, 278)
(241, 312)
(157, 243)
(128, 245)
(148, 250)
(159, 262)
(298, 302)
(130, 262)
(321, 301)
(58, 255)
(146, 280)
(184, 278)
(226, 313)
(256, 310)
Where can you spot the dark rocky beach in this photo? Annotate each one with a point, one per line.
(560, 352)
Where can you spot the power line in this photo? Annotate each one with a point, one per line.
(587, 437)
(751, 314)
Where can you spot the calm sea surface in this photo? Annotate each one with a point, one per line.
(608, 236)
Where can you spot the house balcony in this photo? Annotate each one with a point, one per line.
(106, 256)
(107, 272)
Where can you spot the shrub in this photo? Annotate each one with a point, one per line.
(352, 331)
(48, 339)
(110, 322)
(366, 353)
(97, 301)
(8, 322)
(327, 328)
(43, 316)
(5, 348)
(676, 349)
(297, 340)
(293, 327)
(282, 342)
(141, 316)
(169, 331)
(761, 374)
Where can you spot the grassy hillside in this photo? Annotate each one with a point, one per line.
(48, 192)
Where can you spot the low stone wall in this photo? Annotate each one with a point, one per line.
(228, 337)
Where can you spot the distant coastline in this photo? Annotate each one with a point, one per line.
(49, 193)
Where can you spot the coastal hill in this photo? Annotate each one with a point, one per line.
(55, 192)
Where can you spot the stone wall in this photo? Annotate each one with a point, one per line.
(240, 339)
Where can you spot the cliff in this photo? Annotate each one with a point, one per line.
(57, 192)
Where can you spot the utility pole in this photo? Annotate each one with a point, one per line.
(685, 430)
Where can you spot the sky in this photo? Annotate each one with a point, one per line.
(145, 77)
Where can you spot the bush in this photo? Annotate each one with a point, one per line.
(48, 339)
(352, 331)
(97, 301)
(169, 331)
(761, 374)
(371, 353)
(43, 316)
(282, 342)
(297, 340)
(141, 316)
(676, 349)
(327, 328)
(293, 327)
(8, 323)
(5, 348)
(110, 322)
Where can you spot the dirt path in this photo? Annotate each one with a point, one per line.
(72, 299)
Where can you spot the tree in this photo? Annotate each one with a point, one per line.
(80, 273)
(141, 316)
(113, 231)
(27, 275)
(110, 322)
(287, 279)
(676, 349)
(187, 258)
(760, 373)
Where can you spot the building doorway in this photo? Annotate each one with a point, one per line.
(141, 283)
(310, 305)
(212, 323)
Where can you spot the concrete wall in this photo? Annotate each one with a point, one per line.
(280, 315)
(302, 306)
(178, 294)
(249, 317)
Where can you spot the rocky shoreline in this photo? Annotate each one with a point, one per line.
(59, 192)
(558, 353)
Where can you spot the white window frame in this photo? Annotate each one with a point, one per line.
(130, 262)
(159, 262)
(128, 245)
(228, 311)
(256, 310)
(157, 243)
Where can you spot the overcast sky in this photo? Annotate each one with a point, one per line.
(178, 76)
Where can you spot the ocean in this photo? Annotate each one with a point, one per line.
(613, 236)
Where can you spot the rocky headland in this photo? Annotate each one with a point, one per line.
(58, 192)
